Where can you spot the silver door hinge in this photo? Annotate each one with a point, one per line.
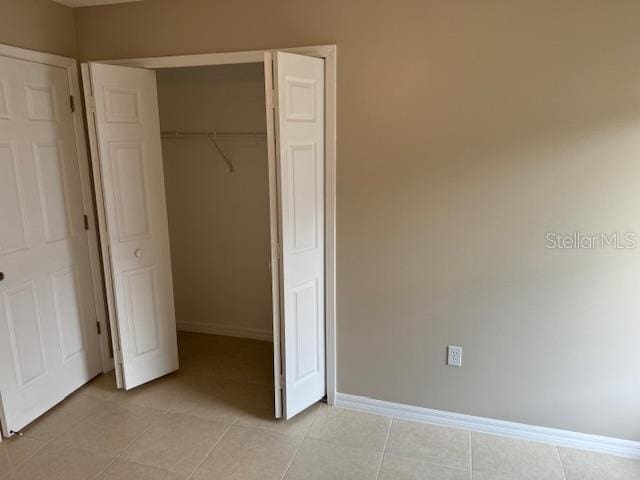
(91, 103)
(281, 380)
(99, 328)
(86, 222)
(118, 357)
(72, 102)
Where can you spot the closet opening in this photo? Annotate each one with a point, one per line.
(214, 212)
(216, 171)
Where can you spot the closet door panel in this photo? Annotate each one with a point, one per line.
(49, 345)
(299, 122)
(14, 236)
(127, 131)
(130, 192)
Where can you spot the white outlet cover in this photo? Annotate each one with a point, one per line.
(454, 356)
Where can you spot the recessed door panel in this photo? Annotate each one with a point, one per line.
(51, 188)
(25, 330)
(65, 287)
(41, 102)
(121, 105)
(127, 165)
(141, 310)
(13, 234)
(304, 196)
(307, 334)
(5, 109)
(300, 99)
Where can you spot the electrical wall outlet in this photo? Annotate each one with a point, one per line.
(454, 356)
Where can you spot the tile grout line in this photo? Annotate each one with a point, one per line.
(306, 434)
(3, 450)
(55, 437)
(470, 454)
(14, 468)
(384, 448)
(193, 472)
(112, 401)
(564, 472)
(429, 461)
(125, 449)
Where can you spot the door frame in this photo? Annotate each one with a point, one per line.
(329, 54)
(71, 66)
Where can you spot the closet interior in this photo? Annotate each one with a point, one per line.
(214, 149)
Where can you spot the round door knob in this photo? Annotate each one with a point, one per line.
(138, 253)
(1, 276)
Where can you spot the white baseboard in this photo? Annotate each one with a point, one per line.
(226, 330)
(562, 438)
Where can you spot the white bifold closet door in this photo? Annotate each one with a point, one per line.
(48, 338)
(299, 326)
(124, 105)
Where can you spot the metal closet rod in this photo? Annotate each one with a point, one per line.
(180, 133)
(211, 138)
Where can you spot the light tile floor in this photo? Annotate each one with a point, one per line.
(213, 420)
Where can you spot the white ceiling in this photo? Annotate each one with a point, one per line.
(87, 3)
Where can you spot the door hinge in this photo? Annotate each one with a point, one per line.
(281, 380)
(99, 328)
(86, 222)
(272, 100)
(118, 357)
(72, 102)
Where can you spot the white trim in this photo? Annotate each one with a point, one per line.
(37, 57)
(201, 60)
(70, 65)
(331, 102)
(561, 438)
(329, 53)
(88, 3)
(226, 330)
(274, 230)
(224, 58)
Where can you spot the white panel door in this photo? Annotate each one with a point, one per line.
(125, 104)
(299, 122)
(48, 338)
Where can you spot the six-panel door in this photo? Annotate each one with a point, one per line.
(48, 339)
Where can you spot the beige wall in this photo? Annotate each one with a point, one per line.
(218, 221)
(467, 130)
(38, 25)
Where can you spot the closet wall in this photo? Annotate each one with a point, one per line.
(218, 221)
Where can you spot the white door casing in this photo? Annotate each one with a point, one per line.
(299, 133)
(49, 344)
(274, 232)
(125, 104)
(329, 54)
